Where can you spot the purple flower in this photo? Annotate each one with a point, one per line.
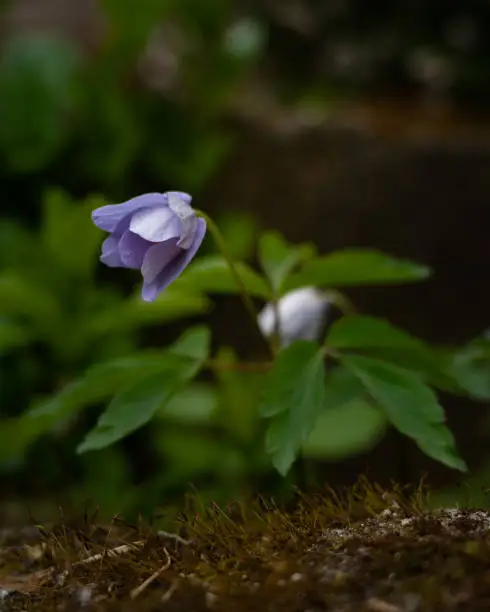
(158, 233)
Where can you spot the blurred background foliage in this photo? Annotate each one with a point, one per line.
(138, 98)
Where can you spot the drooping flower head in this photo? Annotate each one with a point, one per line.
(302, 315)
(157, 233)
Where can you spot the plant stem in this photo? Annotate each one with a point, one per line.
(246, 299)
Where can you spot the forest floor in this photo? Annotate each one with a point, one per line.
(371, 549)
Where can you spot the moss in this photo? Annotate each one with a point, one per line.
(366, 549)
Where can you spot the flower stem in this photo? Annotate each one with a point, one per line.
(246, 299)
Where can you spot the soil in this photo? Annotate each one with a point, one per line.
(369, 549)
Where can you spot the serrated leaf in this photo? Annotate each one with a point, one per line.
(138, 402)
(212, 274)
(294, 396)
(357, 266)
(99, 383)
(281, 389)
(344, 430)
(130, 409)
(383, 340)
(341, 387)
(409, 404)
(278, 259)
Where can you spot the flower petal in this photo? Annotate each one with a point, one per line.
(186, 215)
(110, 253)
(302, 315)
(158, 257)
(179, 194)
(132, 250)
(175, 268)
(155, 224)
(108, 217)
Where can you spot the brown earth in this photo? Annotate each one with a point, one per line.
(370, 549)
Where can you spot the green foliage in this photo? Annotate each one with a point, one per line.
(212, 274)
(325, 401)
(345, 430)
(409, 404)
(278, 259)
(135, 404)
(99, 116)
(355, 267)
(70, 341)
(384, 376)
(363, 332)
(379, 338)
(294, 395)
(49, 297)
(112, 121)
(470, 367)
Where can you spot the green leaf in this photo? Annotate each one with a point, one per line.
(341, 387)
(130, 409)
(381, 339)
(294, 396)
(278, 259)
(140, 400)
(357, 267)
(364, 332)
(345, 430)
(99, 382)
(409, 404)
(212, 274)
(470, 367)
(68, 232)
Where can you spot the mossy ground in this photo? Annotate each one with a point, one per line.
(371, 549)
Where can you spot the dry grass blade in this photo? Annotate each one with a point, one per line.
(138, 590)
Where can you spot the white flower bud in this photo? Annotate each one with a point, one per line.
(302, 315)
